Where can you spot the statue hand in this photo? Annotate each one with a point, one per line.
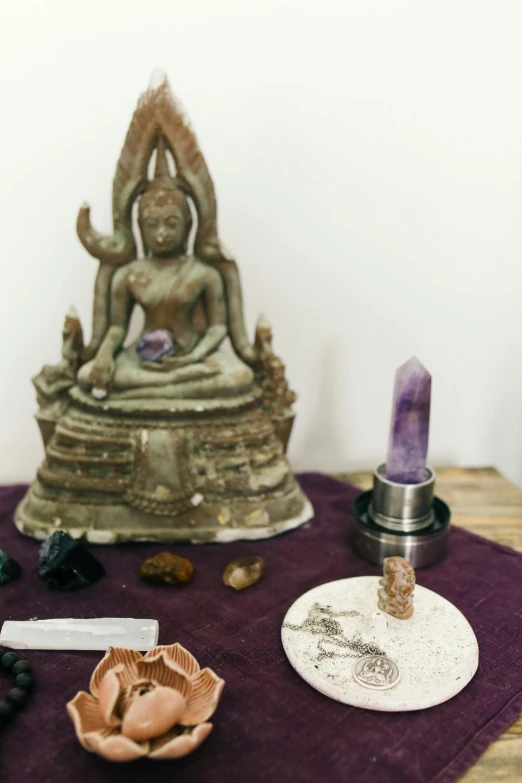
(101, 375)
(170, 363)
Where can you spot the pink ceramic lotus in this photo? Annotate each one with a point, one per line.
(156, 706)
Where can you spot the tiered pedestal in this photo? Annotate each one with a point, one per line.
(164, 470)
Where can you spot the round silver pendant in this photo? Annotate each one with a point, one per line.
(377, 672)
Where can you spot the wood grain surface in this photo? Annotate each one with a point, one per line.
(483, 501)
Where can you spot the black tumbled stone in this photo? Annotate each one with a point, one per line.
(7, 710)
(25, 681)
(8, 660)
(20, 667)
(9, 569)
(65, 564)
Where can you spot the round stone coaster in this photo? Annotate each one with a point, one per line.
(339, 641)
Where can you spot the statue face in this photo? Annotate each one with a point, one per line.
(163, 228)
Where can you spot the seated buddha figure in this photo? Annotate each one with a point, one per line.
(171, 436)
(184, 303)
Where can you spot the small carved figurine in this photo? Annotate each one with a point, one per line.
(398, 583)
(53, 382)
(156, 706)
(164, 435)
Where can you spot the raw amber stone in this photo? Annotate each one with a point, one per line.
(243, 572)
(167, 569)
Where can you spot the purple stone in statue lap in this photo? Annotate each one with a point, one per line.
(155, 346)
(410, 424)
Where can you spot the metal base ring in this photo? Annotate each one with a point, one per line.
(420, 548)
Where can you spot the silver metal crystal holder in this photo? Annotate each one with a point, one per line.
(400, 519)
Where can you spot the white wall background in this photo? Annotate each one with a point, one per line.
(367, 157)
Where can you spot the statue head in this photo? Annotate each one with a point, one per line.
(164, 214)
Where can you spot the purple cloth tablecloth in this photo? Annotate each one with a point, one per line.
(270, 725)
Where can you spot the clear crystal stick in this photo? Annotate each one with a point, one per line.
(69, 634)
(410, 424)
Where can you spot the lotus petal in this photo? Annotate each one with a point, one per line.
(114, 657)
(202, 702)
(116, 747)
(162, 670)
(174, 746)
(153, 713)
(85, 714)
(108, 694)
(179, 655)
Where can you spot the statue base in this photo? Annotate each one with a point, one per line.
(163, 470)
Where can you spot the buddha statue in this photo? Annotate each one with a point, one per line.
(179, 433)
(180, 295)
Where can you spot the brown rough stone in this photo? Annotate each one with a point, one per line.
(166, 568)
(243, 572)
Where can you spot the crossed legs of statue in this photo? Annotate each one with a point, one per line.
(219, 375)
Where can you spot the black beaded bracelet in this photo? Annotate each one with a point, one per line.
(17, 697)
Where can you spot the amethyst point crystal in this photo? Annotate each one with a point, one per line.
(410, 424)
(155, 346)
